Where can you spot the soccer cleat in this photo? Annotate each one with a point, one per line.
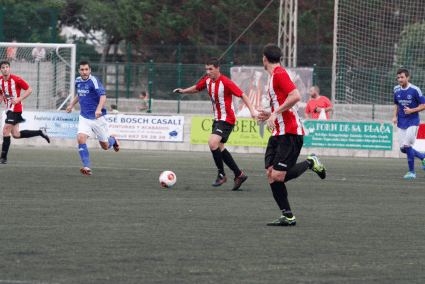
(423, 164)
(318, 167)
(86, 171)
(3, 161)
(116, 146)
(410, 175)
(239, 181)
(44, 134)
(283, 221)
(220, 180)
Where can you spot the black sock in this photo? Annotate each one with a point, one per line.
(280, 195)
(5, 147)
(30, 133)
(297, 170)
(228, 160)
(218, 159)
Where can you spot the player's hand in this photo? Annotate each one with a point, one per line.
(97, 114)
(270, 123)
(254, 114)
(179, 90)
(394, 121)
(262, 115)
(14, 100)
(407, 110)
(69, 109)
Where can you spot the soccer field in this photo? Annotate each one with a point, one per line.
(363, 224)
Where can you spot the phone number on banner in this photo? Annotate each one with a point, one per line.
(146, 128)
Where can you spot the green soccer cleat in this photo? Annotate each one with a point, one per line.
(410, 175)
(423, 164)
(318, 167)
(283, 221)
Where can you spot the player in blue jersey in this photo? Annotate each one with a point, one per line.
(409, 101)
(92, 98)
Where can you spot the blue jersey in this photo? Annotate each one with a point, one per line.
(89, 93)
(410, 97)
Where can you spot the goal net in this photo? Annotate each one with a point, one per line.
(49, 69)
(372, 40)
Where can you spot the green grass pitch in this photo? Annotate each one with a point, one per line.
(363, 224)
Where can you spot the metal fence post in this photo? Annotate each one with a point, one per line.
(314, 74)
(374, 93)
(150, 86)
(179, 85)
(1, 24)
(128, 70)
(116, 82)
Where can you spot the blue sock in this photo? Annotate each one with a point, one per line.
(410, 158)
(419, 154)
(84, 153)
(111, 141)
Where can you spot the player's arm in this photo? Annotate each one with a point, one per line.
(71, 106)
(102, 101)
(192, 89)
(394, 120)
(249, 105)
(419, 108)
(27, 92)
(291, 100)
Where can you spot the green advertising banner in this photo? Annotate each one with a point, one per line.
(353, 135)
(319, 133)
(245, 133)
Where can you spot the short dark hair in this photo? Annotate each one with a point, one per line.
(317, 89)
(114, 106)
(4, 62)
(403, 70)
(143, 93)
(213, 61)
(272, 52)
(84, 62)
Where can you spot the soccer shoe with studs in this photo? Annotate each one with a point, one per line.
(220, 180)
(239, 180)
(117, 144)
(410, 175)
(44, 134)
(283, 221)
(86, 171)
(318, 167)
(3, 161)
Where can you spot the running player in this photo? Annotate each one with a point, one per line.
(220, 90)
(285, 144)
(409, 101)
(10, 92)
(92, 98)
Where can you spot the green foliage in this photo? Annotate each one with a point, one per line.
(411, 47)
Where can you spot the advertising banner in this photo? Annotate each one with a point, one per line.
(352, 135)
(322, 134)
(126, 127)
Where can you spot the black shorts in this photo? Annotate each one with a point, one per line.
(223, 129)
(282, 151)
(14, 118)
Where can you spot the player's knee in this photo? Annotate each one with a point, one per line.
(278, 176)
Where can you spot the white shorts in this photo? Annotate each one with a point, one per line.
(407, 137)
(98, 126)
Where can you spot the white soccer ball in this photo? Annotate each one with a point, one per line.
(167, 179)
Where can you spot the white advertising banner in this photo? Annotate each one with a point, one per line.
(125, 127)
(146, 128)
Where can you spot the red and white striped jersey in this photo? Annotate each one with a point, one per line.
(280, 86)
(12, 88)
(220, 93)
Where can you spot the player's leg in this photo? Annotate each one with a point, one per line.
(7, 129)
(214, 144)
(100, 128)
(281, 155)
(84, 131)
(17, 117)
(406, 140)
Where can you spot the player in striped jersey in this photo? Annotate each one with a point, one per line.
(92, 98)
(221, 91)
(287, 138)
(11, 87)
(409, 101)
